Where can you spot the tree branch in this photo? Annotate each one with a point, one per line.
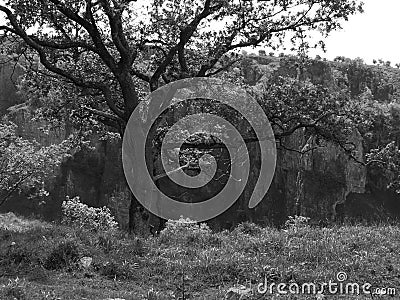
(111, 104)
(117, 34)
(184, 37)
(18, 30)
(14, 188)
(92, 29)
(140, 75)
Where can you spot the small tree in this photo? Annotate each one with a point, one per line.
(387, 159)
(24, 164)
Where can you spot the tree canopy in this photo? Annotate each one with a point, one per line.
(111, 52)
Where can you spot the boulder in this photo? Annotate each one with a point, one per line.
(85, 262)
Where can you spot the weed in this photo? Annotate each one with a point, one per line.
(64, 255)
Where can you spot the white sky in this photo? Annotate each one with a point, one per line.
(371, 35)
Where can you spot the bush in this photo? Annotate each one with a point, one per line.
(297, 222)
(186, 231)
(79, 214)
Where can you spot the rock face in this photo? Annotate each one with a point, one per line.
(8, 78)
(96, 176)
(323, 184)
(329, 175)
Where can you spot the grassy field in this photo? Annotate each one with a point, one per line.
(44, 261)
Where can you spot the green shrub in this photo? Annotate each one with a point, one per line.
(78, 214)
(185, 231)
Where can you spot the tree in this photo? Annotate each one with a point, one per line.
(107, 51)
(24, 164)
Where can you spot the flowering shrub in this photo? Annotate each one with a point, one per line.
(296, 222)
(185, 230)
(77, 213)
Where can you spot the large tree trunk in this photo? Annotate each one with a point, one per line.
(146, 190)
(141, 185)
(138, 215)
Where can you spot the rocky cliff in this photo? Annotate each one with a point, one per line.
(323, 184)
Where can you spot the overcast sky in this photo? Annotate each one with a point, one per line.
(371, 35)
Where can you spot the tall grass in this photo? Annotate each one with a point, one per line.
(191, 260)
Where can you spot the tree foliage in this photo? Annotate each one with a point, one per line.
(387, 159)
(109, 50)
(25, 164)
(292, 104)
